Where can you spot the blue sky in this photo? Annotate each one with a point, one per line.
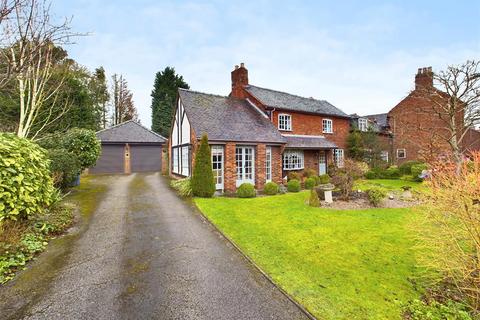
(359, 55)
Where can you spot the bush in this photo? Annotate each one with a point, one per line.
(64, 167)
(417, 171)
(309, 183)
(406, 167)
(313, 201)
(345, 177)
(271, 188)
(293, 186)
(293, 175)
(83, 143)
(183, 186)
(26, 186)
(392, 173)
(372, 174)
(419, 310)
(323, 179)
(246, 190)
(376, 196)
(203, 184)
(308, 173)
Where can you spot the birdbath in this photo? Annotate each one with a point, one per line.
(325, 192)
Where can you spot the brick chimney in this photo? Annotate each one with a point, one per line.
(424, 78)
(239, 81)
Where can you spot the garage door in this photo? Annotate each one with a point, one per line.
(111, 160)
(145, 158)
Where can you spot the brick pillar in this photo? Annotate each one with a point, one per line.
(260, 166)
(277, 165)
(230, 168)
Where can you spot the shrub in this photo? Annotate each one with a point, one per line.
(309, 183)
(64, 166)
(26, 186)
(293, 186)
(271, 188)
(323, 179)
(308, 173)
(293, 175)
(83, 143)
(376, 196)
(406, 167)
(313, 201)
(371, 174)
(345, 177)
(417, 171)
(392, 173)
(183, 186)
(203, 184)
(246, 190)
(420, 310)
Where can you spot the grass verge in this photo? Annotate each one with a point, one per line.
(352, 264)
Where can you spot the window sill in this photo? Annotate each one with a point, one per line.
(285, 130)
(296, 169)
(328, 132)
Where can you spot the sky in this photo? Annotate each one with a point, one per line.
(361, 56)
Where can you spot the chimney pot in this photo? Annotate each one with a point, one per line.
(242, 65)
(429, 69)
(236, 66)
(419, 71)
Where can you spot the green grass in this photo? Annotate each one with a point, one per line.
(390, 184)
(353, 264)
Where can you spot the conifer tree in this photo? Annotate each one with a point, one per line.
(202, 178)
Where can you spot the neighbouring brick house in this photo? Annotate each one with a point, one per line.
(256, 134)
(411, 129)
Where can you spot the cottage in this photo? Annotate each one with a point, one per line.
(256, 134)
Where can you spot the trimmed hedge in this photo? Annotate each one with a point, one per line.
(64, 166)
(26, 186)
(376, 196)
(202, 182)
(293, 186)
(246, 190)
(406, 167)
(83, 143)
(323, 179)
(271, 188)
(309, 183)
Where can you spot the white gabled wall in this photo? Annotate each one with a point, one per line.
(181, 142)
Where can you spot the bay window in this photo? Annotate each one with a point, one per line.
(293, 160)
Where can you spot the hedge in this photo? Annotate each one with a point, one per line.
(271, 188)
(293, 186)
(202, 182)
(246, 190)
(26, 186)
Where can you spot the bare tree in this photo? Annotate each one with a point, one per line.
(123, 106)
(28, 42)
(456, 103)
(6, 8)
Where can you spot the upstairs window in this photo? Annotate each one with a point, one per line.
(401, 153)
(285, 122)
(362, 124)
(293, 160)
(384, 156)
(327, 126)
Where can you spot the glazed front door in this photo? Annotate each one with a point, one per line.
(322, 162)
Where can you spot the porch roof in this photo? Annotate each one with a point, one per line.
(308, 142)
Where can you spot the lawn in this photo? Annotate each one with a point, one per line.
(390, 184)
(339, 264)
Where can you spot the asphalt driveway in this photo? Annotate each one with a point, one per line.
(145, 254)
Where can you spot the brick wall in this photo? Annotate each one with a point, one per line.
(277, 165)
(230, 170)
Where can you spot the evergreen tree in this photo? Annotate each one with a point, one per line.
(163, 95)
(203, 184)
(354, 145)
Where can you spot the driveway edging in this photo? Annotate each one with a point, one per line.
(289, 297)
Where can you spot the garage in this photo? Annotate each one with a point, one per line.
(127, 148)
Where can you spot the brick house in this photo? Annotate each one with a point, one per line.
(411, 129)
(256, 134)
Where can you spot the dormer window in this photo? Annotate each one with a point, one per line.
(363, 124)
(285, 122)
(327, 126)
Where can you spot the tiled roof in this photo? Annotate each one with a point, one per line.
(227, 119)
(283, 100)
(130, 132)
(308, 142)
(380, 119)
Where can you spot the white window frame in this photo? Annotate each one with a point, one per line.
(339, 157)
(293, 160)
(175, 160)
(327, 125)
(363, 124)
(384, 155)
(404, 153)
(185, 161)
(268, 164)
(218, 174)
(243, 163)
(285, 122)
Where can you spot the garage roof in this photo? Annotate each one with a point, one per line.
(129, 132)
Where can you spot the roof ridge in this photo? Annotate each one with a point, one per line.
(115, 126)
(291, 94)
(200, 92)
(135, 122)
